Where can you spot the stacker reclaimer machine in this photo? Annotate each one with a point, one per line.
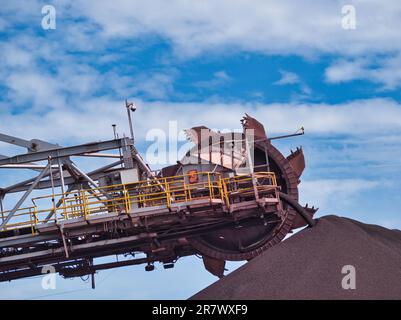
(232, 196)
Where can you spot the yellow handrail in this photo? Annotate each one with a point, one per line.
(125, 197)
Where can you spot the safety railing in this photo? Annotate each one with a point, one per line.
(245, 186)
(128, 198)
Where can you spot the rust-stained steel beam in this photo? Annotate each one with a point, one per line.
(67, 151)
(45, 184)
(240, 220)
(24, 197)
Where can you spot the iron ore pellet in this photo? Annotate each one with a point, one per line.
(339, 258)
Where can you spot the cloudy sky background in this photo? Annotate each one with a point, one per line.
(287, 63)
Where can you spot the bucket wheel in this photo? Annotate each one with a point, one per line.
(245, 239)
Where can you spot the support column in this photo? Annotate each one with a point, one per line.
(25, 196)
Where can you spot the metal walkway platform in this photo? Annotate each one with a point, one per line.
(126, 218)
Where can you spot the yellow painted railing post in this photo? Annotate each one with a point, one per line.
(126, 200)
(35, 219)
(185, 189)
(168, 195)
(85, 204)
(35, 213)
(209, 186)
(87, 211)
(64, 209)
(30, 221)
(220, 186)
(129, 201)
(188, 189)
(141, 200)
(226, 193)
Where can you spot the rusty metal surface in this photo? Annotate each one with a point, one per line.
(297, 161)
(214, 266)
(238, 228)
(244, 241)
(228, 244)
(251, 123)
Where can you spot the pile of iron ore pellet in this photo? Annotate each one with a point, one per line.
(339, 258)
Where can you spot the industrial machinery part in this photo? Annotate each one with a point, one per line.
(232, 196)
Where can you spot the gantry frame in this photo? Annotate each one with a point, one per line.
(60, 170)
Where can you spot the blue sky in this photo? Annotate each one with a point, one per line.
(288, 63)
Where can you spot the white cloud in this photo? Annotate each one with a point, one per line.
(34, 89)
(322, 193)
(374, 117)
(308, 28)
(42, 74)
(343, 71)
(13, 56)
(291, 78)
(220, 78)
(156, 85)
(356, 117)
(287, 77)
(384, 71)
(266, 26)
(285, 27)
